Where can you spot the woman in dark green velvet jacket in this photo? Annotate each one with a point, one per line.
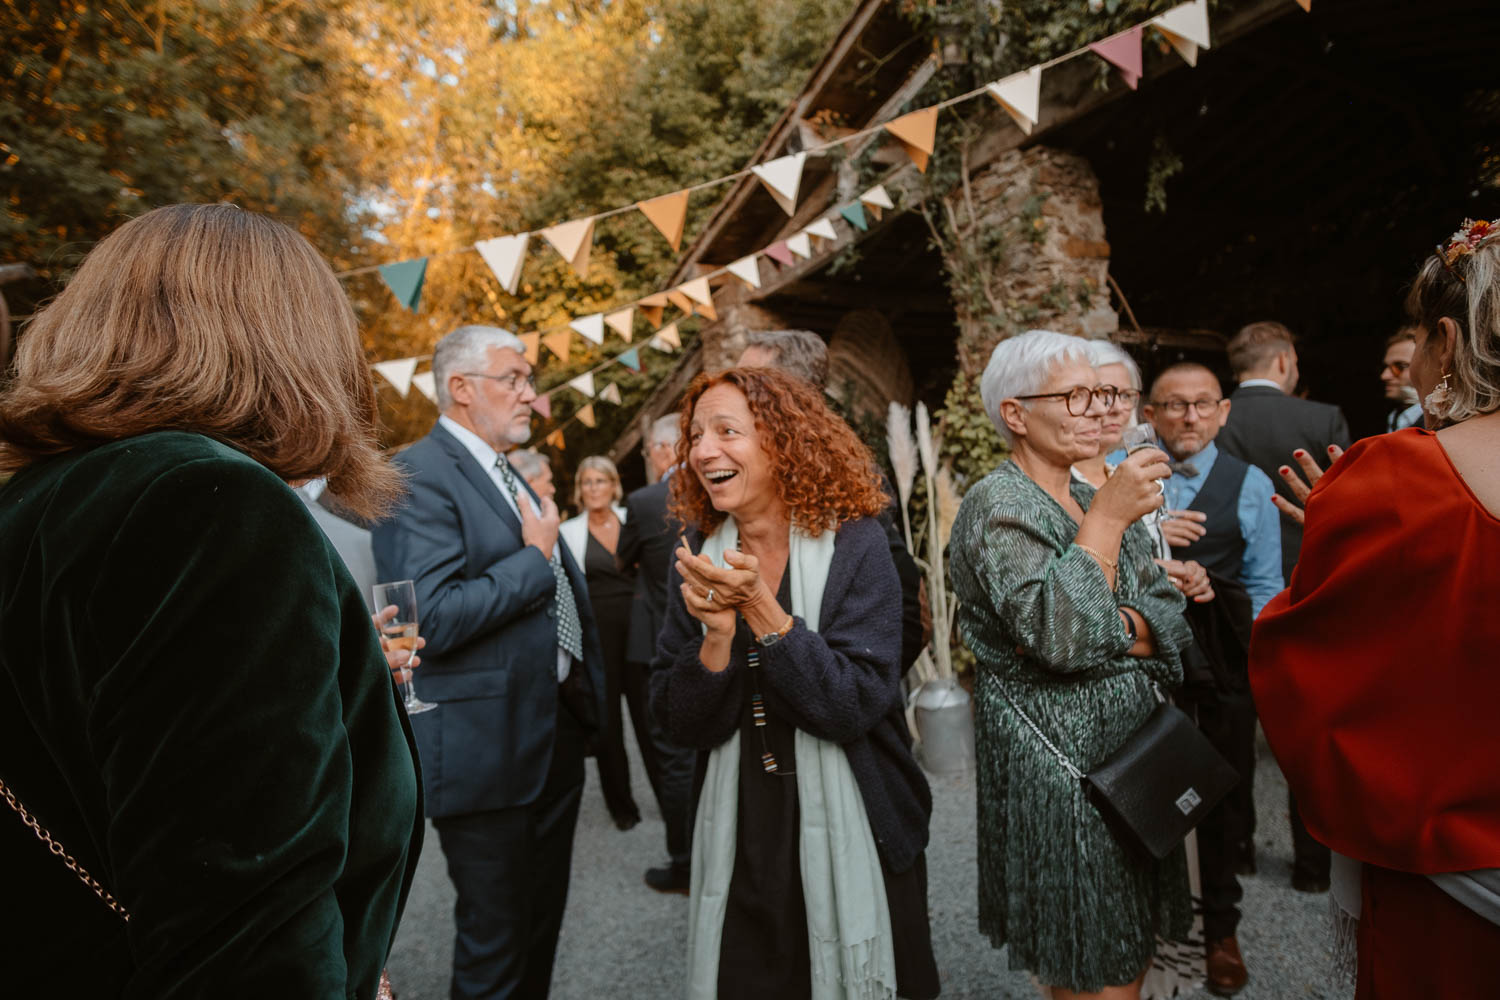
(193, 702)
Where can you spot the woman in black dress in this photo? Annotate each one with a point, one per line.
(780, 661)
(592, 537)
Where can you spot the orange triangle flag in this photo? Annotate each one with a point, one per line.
(652, 307)
(533, 342)
(668, 214)
(559, 342)
(556, 440)
(916, 133)
(681, 301)
(622, 321)
(706, 310)
(1305, 5)
(586, 416)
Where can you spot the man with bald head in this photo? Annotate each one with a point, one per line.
(1222, 517)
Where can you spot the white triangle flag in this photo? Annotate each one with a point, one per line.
(800, 244)
(823, 230)
(398, 373)
(505, 255)
(667, 340)
(590, 327)
(747, 269)
(1020, 94)
(426, 384)
(573, 240)
(697, 290)
(877, 197)
(622, 321)
(1187, 21)
(782, 177)
(611, 394)
(584, 384)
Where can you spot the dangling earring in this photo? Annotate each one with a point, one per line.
(1438, 399)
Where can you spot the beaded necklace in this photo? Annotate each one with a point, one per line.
(758, 714)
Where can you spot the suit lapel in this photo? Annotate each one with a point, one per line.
(477, 477)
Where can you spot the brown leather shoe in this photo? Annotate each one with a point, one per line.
(1226, 969)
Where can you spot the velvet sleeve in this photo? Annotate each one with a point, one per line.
(425, 541)
(696, 706)
(216, 721)
(837, 683)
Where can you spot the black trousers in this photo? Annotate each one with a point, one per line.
(1227, 719)
(511, 869)
(670, 768)
(1310, 859)
(614, 765)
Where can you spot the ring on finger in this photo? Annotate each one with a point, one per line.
(710, 597)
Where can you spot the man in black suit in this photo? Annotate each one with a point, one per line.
(646, 543)
(1267, 425)
(512, 662)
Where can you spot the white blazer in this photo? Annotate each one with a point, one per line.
(575, 532)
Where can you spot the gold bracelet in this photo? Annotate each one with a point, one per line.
(1110, 564)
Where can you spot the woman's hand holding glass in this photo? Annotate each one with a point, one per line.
(1134, 490)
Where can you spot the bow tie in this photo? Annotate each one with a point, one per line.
(1187, 469)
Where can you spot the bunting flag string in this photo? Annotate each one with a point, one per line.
(533, 342)
(823, 230)
(583, 383)
(631, 359)
(781, 253)
(559, 343)
(586, 416)
(668, 336)
(610, 394)
(800, 245)
(1185, 28)
(854, 214)
(426, 384)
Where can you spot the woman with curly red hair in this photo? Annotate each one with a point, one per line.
(779, 660)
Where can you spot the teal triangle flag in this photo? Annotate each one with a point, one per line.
(855, 213)
(631, 359)
(404, 278)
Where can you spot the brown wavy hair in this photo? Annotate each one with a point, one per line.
(210, 319)
(827, 475)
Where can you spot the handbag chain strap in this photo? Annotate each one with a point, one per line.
(1062, 758)
(61, 852)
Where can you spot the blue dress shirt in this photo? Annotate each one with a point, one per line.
(1260, 525)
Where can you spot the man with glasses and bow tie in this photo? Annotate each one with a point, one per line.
(1221, 516)
(512, 661)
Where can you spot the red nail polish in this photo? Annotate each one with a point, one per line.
(1285, 470)
(1300, 453)
(1331, 449)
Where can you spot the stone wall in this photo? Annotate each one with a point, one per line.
(1030, 252)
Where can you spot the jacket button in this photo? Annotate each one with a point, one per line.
(551, 612)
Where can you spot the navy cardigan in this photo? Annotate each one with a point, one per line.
(841, 683)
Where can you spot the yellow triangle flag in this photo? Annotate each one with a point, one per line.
(586, 416)
(708, 312)
(559, 343)
(573, 240)
(622, 322)
(556, 440)
(916, 133)
(652, 307)
(533, 342)
(668, 214)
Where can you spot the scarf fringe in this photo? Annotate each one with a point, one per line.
(859, 973)
(1344, 937)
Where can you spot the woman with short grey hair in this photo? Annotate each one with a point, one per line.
(1073, 623)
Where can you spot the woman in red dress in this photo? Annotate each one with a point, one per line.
(1375, 672)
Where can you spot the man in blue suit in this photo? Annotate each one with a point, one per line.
(512, 661)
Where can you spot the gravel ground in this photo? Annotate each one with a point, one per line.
(621, 939)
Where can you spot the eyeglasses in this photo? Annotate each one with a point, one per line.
(509, 381)
(1175, 408)
(1396, 368)
(1078, 399)
(1127, 396)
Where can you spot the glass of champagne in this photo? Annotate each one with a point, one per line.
(400, 632)
(1135, 439)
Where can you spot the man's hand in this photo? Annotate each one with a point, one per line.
(540, 531)
(1183, 527)
(1190, 578)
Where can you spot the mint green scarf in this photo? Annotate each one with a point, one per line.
(848, 918)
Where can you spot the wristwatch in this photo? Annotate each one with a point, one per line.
(772, 638)
(1130, 631)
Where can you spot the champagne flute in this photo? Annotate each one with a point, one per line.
(1134, 439)
(401, 633)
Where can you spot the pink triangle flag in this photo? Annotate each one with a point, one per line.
(781, 254)
(1123, 52)
(543, 405)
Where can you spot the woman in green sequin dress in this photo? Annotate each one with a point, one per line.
(1055, 579)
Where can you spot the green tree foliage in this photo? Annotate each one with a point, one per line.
(110, 109)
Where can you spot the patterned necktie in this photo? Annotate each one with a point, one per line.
(569, 629)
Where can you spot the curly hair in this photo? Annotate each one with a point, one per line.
(827, 475)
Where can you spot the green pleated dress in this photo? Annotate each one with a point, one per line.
(1054, 884)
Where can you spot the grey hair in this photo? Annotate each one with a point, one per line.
(1021, 365)
(665, 430)
(798, 352)
(601, 463)
(1467, 292)
(1107, 352)
(528, 462)
(465, 350)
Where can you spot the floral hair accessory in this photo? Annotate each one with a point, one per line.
(1470, 236)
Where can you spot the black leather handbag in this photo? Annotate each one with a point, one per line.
(1157, 785)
